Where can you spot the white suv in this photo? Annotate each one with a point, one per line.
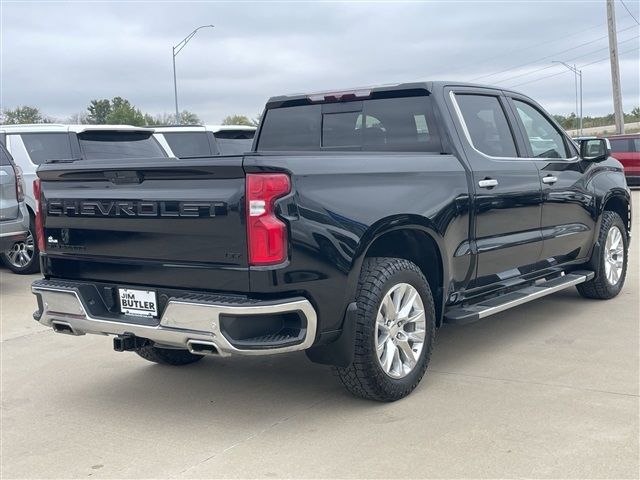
(191, 141)
(31, 145)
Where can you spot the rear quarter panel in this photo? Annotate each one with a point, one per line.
(341, 202)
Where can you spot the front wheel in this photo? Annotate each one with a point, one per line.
(395, 330)
(612, 259)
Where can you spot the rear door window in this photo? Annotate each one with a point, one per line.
(403, 124)
(103, 145)
(189, 144)
(4, 157)
(47, 146)
(487, 125)
(620, 145)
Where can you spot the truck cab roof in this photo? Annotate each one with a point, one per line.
(379, 91)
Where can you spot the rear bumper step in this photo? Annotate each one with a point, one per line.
(194, 322)
(473, 312)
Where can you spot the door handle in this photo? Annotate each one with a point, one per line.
(549, 179)
(488, 183)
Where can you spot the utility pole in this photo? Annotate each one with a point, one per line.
(615, 67)
(577, 74)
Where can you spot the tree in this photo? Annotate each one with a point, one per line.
(117, 111)
(99, 110)
(123, 113)
(79, 118)
(186, 118)
(23, 114)
(237, 120)
(189, 118)
(161, 119)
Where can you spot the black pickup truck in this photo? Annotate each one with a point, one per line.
(361, 221)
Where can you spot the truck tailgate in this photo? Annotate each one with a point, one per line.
(156, 222)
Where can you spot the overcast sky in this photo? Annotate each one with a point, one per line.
(60, 55)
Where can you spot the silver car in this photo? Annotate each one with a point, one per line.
(14, 217)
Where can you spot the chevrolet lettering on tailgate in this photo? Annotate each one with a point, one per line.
(134, 208)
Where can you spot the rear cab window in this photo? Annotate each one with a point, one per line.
(189, 144)
(397, 123)
(42, 147)
(113, 145)
(234, 142)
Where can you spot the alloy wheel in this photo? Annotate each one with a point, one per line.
(400, 330)
(21, 254)
(613, 255)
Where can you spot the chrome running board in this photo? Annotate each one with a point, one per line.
(473, 312)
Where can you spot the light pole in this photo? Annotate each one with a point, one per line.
(176, 50)
(576, 74)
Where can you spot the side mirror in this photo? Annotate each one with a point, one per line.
(595, 149)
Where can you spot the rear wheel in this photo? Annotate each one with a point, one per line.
(167, 356)
(23, 257)
(611, 261)
(395, 329)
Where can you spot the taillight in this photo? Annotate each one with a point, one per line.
(19, 183)
(266, 233)
(39, 214)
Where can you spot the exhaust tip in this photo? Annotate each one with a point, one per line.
(202, 348)
(63, 327)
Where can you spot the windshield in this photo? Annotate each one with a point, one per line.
(102, 145)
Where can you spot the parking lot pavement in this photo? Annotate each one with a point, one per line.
(549, 389)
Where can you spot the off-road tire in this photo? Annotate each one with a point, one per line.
(167, 356)
(365, 377)
(599, 287)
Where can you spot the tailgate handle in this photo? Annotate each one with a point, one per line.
(126, 176)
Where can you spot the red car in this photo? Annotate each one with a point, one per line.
(626, 149)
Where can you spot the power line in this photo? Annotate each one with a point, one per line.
(568, 60)
(629, 11)
(518, 50)
(549, 56)
(607, 58)
(567, 71)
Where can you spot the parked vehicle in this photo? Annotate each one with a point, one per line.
(361, 222)
(626, 148)
(190, 141)
(14, 218)
(32, 145)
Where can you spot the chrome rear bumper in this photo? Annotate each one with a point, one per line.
(185, 322)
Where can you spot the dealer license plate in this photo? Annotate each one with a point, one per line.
(138, 302)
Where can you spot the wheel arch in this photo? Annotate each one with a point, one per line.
(411, 238)
(619, 202)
